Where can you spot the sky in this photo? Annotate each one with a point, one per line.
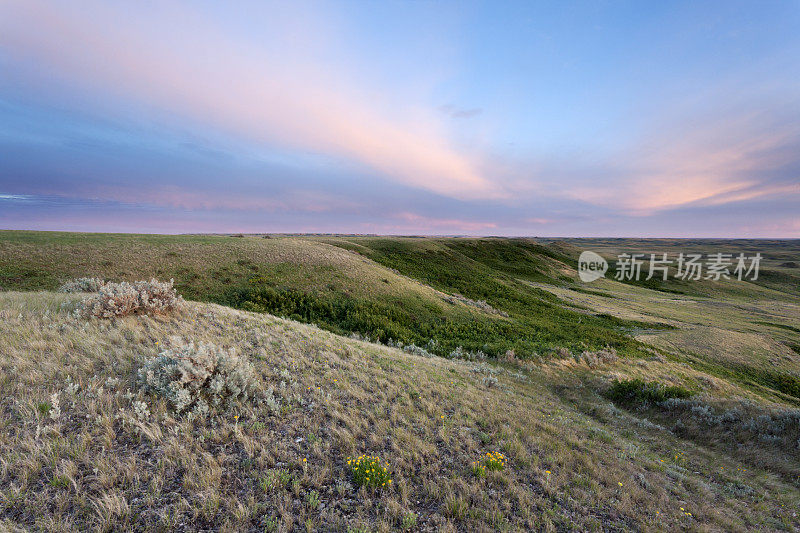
(425, 117)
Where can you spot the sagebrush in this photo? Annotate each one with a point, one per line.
(140, 297)
(83, 285)
(197, 378)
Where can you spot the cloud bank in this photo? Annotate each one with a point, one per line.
(199, 118)
(210, 78)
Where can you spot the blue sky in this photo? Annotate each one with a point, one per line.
(484, 118)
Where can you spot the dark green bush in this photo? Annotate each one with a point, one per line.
(638, 392)
(414, 322)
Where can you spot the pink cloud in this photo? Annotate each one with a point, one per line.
(726, 160)
(298, 201)
(416, 222)
(538, 221)
(787, 228)
(179, 64)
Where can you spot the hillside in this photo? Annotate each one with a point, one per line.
(89, 458)
(488, 296)
(615, 404)
(318, 281)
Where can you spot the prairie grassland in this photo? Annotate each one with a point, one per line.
(732, 331)
(82, 448)
(780, 264)
(204, 266)
(745, 332)
(447, 296)
(749, 342)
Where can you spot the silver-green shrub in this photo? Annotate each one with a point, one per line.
(460, 353)
(600, 357)
(141, 297)
(197, 378)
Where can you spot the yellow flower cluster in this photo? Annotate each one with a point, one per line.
(489, 461)
(494, 461)
(369, 472)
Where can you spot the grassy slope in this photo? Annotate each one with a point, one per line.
(310, 280)
(575, 460)
(398, 288)
(746, 340)
(736, 330)
(499, 271)
(203, 266)
(779, 280)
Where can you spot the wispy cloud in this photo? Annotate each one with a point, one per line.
(538, 221)
(265, 96)
(708, 159)
(460, 112)
(294, 116)
(14, 197)
(409, 221)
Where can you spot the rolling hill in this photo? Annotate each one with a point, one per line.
(615, 405)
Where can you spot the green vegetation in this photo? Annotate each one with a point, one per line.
(478, 469)
(781, 326)
(777, 273)
(492, 295)
(494, 461)
(369, 472)
(751, 376)
(255, 468)
(312, 281)
(410, 321)
(634, 392)
(496, 271)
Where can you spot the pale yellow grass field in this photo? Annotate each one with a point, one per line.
(723, 330)
(100, 466)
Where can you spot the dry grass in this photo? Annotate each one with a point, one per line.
(725, 332)
(204, 264)
(77, 453)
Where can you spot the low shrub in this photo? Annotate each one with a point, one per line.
(122, 299)
(480, 304)
(275, 478)
(413, 321)
(746, 421)
(509, 357)
(367, 471)
(197, 378)
(638, 391)
(599, 357)
(460, 353)
(82, 285)
(409, 521)
(312, 499)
